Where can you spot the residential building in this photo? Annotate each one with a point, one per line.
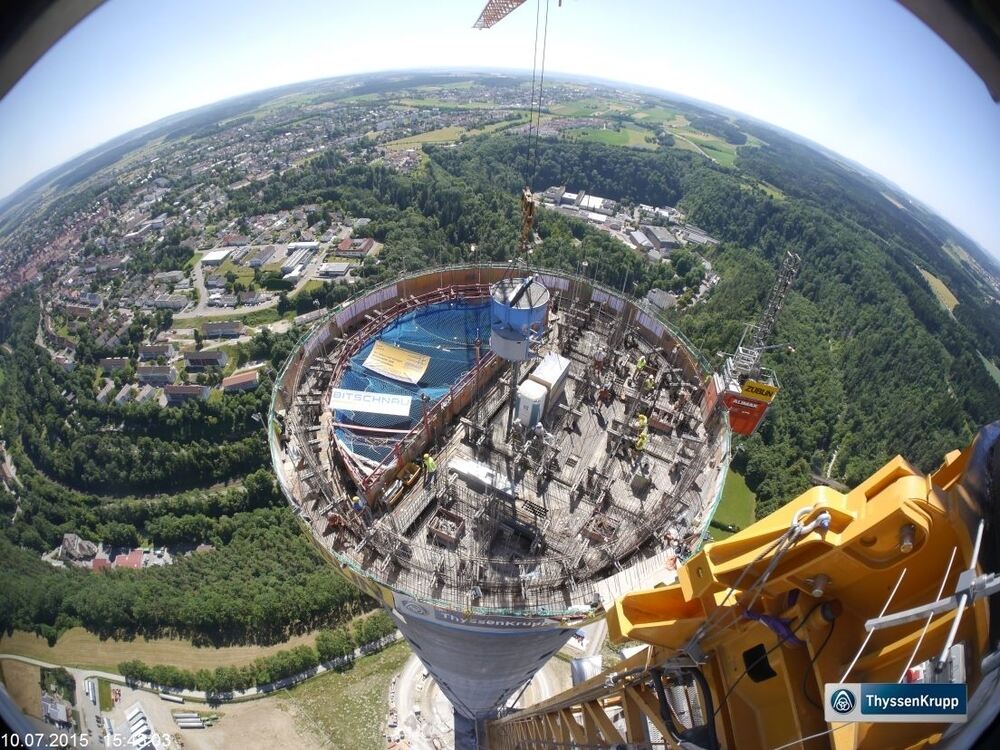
(661, 299)
(68, 364)
(150, 352)
(155, 374)
(241, 381)
(168, 277)
(170, 302)
(178, 394)
(146, 393)
(202, 360)
(124, 395)
(113, 364)
(223, 329)
(355, 248)
(105, 393)
(131, 560)
(251, 298)
(222, 300)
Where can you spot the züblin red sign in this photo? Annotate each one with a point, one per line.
(744, 413)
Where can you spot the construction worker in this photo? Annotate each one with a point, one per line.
(642, 441)
(640, 364)
(643, 421)
(599, 359)
(430, 469)
(649, 383)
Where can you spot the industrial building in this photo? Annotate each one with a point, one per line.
(215, 257)
(568, 457)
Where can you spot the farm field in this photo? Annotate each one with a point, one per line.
(23, 683)
(627, 136)
(441, 135)
(78, 648)
(941, 291)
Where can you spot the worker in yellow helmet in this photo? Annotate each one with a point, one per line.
(642, 441)
(643, 421)
(430, 468)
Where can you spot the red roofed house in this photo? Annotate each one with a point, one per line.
(132, 560)
(242, 381)
(100, 563)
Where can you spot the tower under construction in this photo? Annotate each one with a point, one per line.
(495, 458)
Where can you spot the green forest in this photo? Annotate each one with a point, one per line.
(879, 368)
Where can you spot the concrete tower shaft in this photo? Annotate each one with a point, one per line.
(489, 564)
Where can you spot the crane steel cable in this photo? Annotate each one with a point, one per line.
(541, 89)
(531, 101)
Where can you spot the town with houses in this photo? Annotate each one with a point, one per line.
(107, 266)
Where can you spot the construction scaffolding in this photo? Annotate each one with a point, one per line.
(620, 468)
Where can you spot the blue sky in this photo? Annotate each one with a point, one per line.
(862, 77)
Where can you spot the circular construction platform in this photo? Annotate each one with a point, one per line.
(562, 480)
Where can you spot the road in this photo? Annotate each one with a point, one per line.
(200, 695)
(202, 309)
(699, 148)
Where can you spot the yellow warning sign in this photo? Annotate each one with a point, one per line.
(396, 363)
(760, 391)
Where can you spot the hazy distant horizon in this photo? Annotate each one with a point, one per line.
(865, 80)
(560, 76)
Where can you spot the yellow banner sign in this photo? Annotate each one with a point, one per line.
(396, 363)
(760, 391)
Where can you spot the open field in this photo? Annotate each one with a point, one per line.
(262, 724)
(626, 136)
(444, 103)
(23, 682)
(308, 287)
(655, 115)
(721, 151)
(257, 318)
(948, 300)
(441, 135)
(347, 709)
(736, 507)
(767, 187)
(104, 699)
(588, 107)
(243, 273)
(78, 648)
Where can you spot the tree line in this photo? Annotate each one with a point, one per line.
(338, 643)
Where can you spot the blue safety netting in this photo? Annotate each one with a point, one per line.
(445, 332)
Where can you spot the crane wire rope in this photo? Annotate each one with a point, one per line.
(541, 90)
